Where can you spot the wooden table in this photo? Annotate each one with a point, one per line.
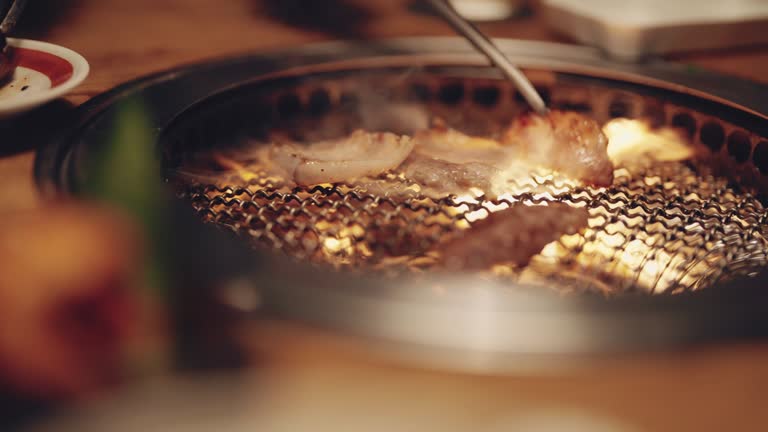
(124, 39)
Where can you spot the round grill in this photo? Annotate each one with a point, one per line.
(662, 227)
(672, 226)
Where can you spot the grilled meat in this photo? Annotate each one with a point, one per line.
(447, 177)
(445, 161)
(511, 236)
(567, 142)
(361, 154)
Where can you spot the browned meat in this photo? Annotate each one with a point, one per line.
(564, 141)
(342, 160)
(511, 236)
(447, 177)
(445, 161)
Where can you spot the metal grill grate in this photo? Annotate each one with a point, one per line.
(668, 228)
(665, 227)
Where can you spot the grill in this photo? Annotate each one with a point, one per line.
(690, 225)
(662, 227)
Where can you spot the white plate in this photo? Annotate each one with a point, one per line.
(45, 72)
(632, 29)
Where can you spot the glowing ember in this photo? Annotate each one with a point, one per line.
(631, 142)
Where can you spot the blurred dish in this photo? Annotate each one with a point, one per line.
(43, 73)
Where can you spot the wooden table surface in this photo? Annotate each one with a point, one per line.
(124, 39)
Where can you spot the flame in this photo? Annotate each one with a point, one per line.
(333, 245)
(234, 166)
(342, 241)
(633, 141)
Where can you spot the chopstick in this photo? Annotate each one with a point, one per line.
(490, 50)
(12, 16)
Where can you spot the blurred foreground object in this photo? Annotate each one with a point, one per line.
(126, 176)
(633, 29)
(69, 278)
(184, 262)
(95, 291)
(83, 284)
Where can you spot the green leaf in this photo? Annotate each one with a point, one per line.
(126, 174)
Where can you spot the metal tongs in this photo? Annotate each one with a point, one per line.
(490, 50)
(12, 10)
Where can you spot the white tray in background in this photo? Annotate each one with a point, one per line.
(632, 29)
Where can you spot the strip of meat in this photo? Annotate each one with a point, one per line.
(447, 177)
(452, 146)
(567, 142)
(333, 161)
(513, 235)
(448, 161)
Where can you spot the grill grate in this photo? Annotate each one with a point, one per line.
(671, 227)
(665, 227)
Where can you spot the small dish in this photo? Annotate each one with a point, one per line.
(43, 73)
